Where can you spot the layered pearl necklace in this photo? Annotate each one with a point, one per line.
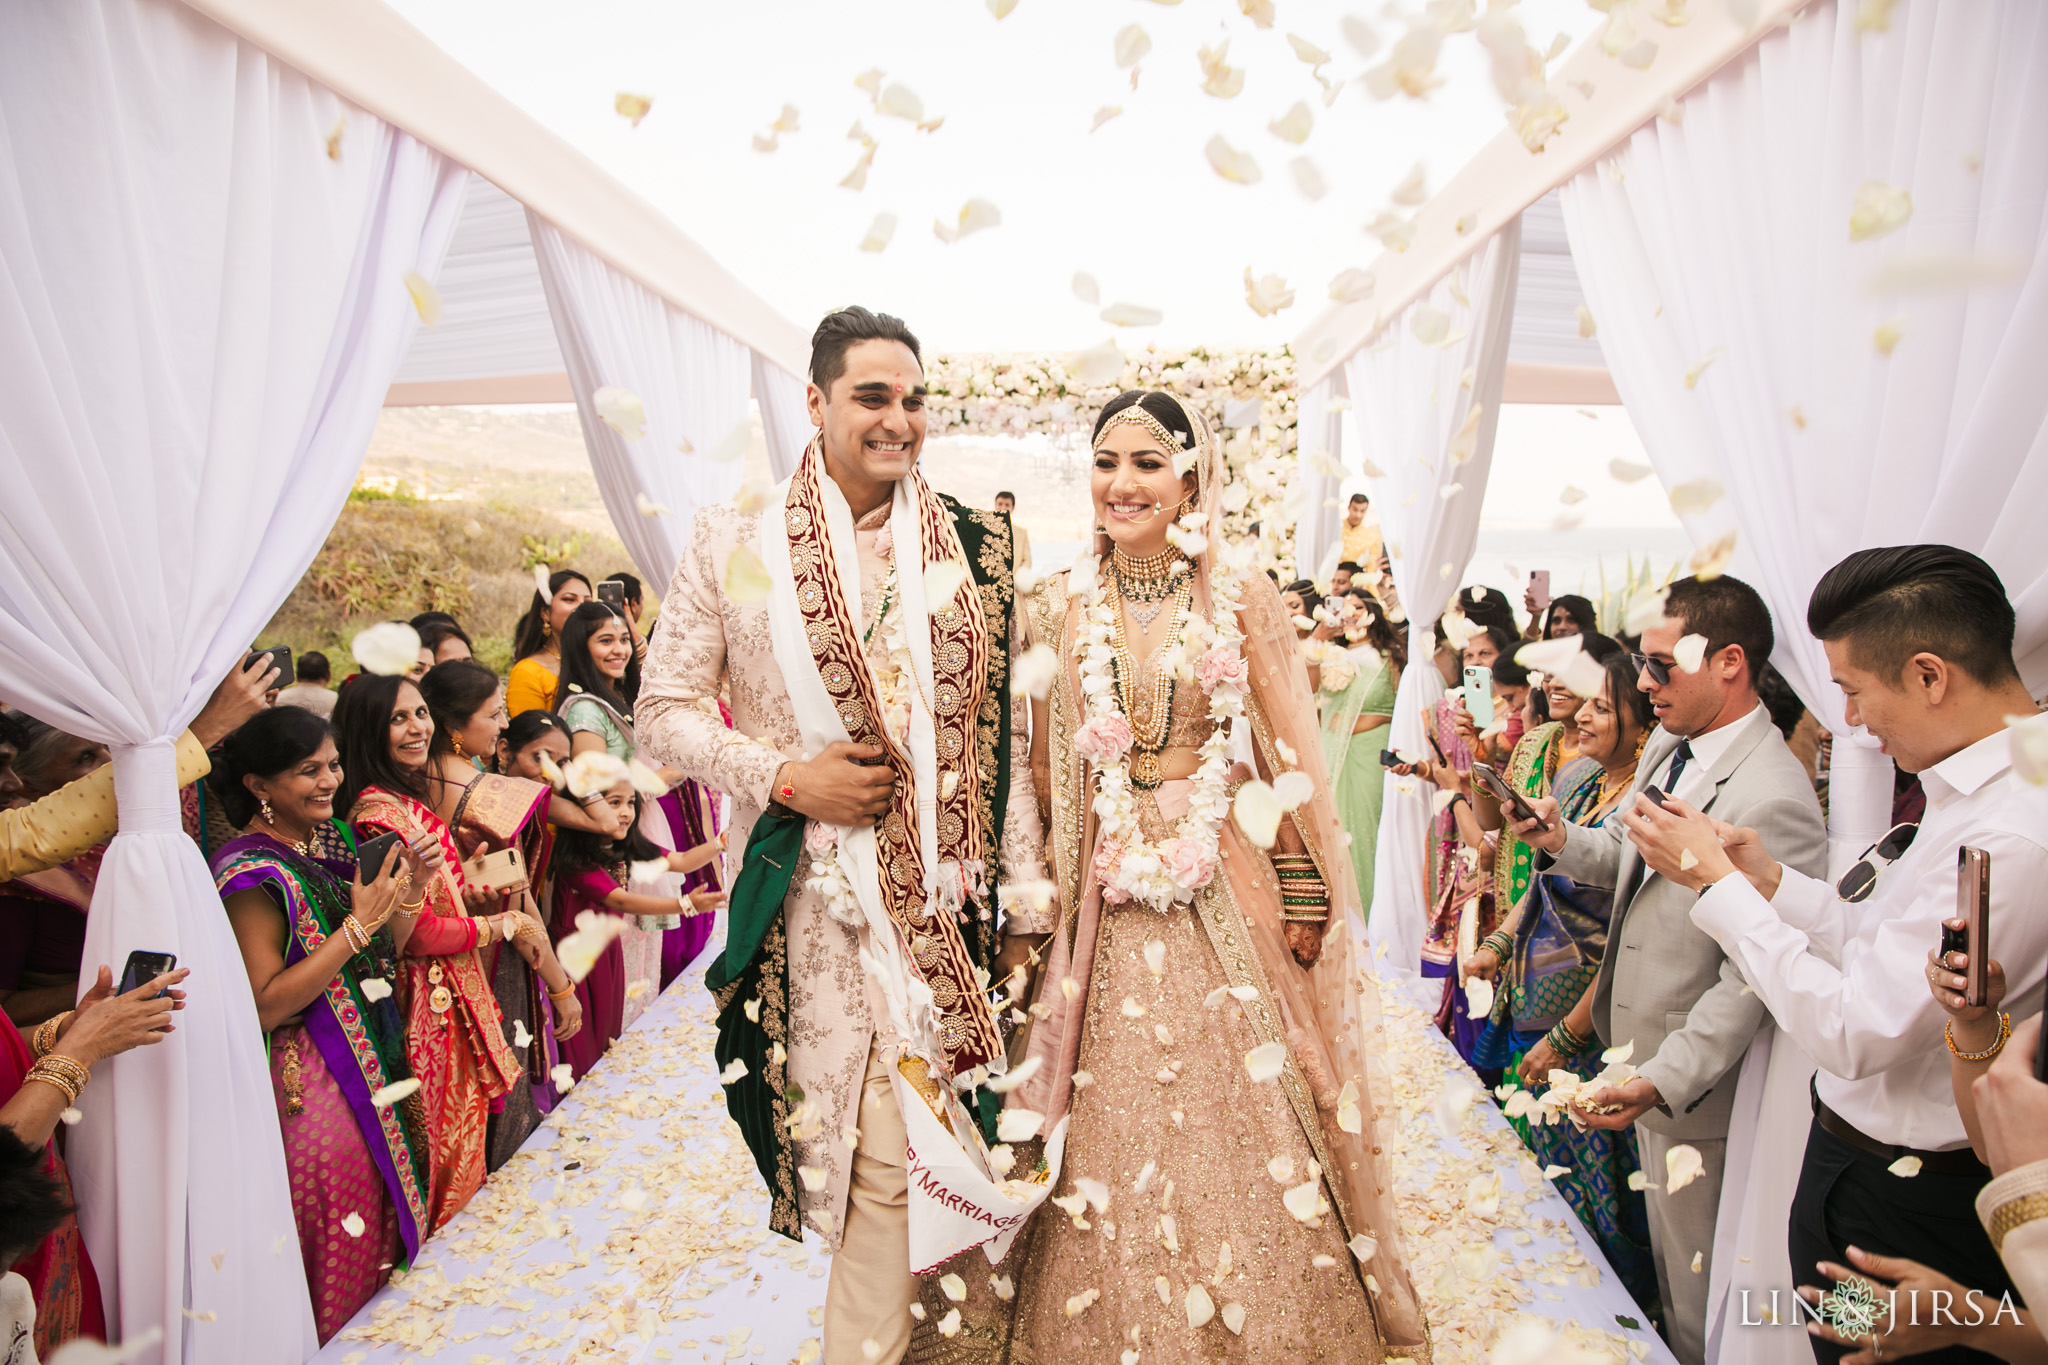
(1208, 652)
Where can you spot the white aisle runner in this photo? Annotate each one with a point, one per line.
(632, 1227)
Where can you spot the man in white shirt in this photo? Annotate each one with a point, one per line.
(1919, 638)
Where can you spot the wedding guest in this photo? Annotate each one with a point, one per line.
(1919, 638)
(536, 642)
(311, 692)
(315, 932)
(64, 824)
(594, 873)
(486, 813)
(1569, 615)
(1664, 985)
(50, 759)
(528, 744)
(1020, 539)
(32, 1207)
(445, 642)
(454, 1037)
(1355, 720)
(1301, 600)
(1488, 644)
(1359, 540)
(1547, 952)
(40, 1078)
(1341, 578)
(2012, 1117)
(1489, 607)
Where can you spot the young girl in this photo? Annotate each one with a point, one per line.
(593, 872)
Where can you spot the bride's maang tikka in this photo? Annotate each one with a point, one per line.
(1173, 443)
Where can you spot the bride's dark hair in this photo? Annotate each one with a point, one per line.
(1163, 406)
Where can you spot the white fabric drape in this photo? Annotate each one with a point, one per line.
(1730, 234)
(784, 419)
(199, 314)
(1318, 450)
(1411, 400)
(692, 381)
(1728, 237)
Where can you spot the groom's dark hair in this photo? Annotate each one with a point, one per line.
(840, 331)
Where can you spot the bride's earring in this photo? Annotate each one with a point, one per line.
(263, 804)
(1187, 506)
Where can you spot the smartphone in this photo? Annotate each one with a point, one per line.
(1539, 588)
(1973, 908)
(1506, 795)
(612, 593)
(144, 967)
(1656, 796)
(1390, 759)
(372, 856)
(1479, 696)
(280, 658)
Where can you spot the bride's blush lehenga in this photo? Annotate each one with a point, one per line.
(1197, 1255)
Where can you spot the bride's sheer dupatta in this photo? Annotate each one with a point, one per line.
(1330, 1012)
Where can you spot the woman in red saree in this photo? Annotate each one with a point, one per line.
(39, 1080)
(487, 813)
(454, 1035)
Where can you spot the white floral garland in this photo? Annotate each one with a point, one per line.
(1128, 865)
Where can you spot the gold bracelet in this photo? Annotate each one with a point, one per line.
(47, 1031)
(1948, 1033)
(67, 1074)
(412, 911)
(560, 996)
(2015, 1213)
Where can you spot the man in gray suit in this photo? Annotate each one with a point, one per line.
(1664, 985)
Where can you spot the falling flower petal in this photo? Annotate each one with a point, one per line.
(632, 107)
(1905, 1167)
(1257, 811)
(1944, 271)
(942, 582)
(857, 178)
(1478, 997)
(1413, 189)
(1690, 652)
(1586, 328)
(1304, 1201)
(734, 1070)
(389, 649)
(1266, 1061)
(1018, 1125)
(1219, 78)
(879, 233)
(1429, 324)
(1395, 233)
(1699, 367)
(353, 1224)
(72, 1117)
(1364, 1247)
(1682, 1166)
(2027, 737)
(899, 101)
(1267, 295)
(1295, 125)
(1086, 290)
(334, 138)
(1237, 167)
(1638, 55)
(1887, 335)
(746, 578)
(1626, 471)
(1309, 180)
(426, 300)
(621, 410)
(375, 988)
(1352, 286)
(1293, 788)
(393, 1093)
(1104, 115)
(521, 1035)
(1878, 209)
(1644, 612)
(579, 951)
(1465, 440)
(1708, 562)
(1131, 315)
(1132, 43)
(1100, 366)
(1690, 499)
(563, 1076)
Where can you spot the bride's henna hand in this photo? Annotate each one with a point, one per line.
(1305, 941)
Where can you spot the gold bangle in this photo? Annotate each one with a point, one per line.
(47, 1031)
(559, 996)
(2015, 1213)
(65, 1073)
(1948, 1033)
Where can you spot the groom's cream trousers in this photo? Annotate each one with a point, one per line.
(872, 1288)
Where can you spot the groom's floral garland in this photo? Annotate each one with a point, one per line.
(1209, 653)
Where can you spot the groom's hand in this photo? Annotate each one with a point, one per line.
(837, 787)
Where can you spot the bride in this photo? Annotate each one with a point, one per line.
(1201, 1019)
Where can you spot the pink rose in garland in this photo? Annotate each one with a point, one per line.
(1222, 667)
(1189, 864)
(820, 838)
(1102, 738)
(1109, 858)
(885, 541)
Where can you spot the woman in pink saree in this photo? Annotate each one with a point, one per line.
(1203, 1027)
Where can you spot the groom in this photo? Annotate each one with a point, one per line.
(872, 769)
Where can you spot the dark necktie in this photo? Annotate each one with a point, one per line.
(1679, 758)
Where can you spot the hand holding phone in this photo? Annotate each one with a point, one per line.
(1510, 799)
(280, 659)
(1479, 696)
(1973, 907)
(1390, 759)
(612, 593)
(372, 856)
(143, 967)
(1539, 589)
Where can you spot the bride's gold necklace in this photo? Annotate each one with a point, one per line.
(1145, 585)
(1150, 724)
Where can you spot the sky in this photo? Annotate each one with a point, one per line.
(1135, 204)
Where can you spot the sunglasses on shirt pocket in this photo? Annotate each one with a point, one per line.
(1857, 884)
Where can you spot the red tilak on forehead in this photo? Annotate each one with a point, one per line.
(899, 383)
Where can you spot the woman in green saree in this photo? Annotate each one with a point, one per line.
(1355, 715)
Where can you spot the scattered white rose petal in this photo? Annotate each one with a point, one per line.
(632, 107)
(1266, 1061)
(1131, 315)
(1905, 1167)
(1018, 1125)
(746, 578)
(1682, 1165)
(1295, 125)
(389, 649)
(1233, 165)
(1257, 811)
(564, 1077)
(1200, 1307)
(353, 1224)
(1696, 496)
(71, 1116)
(1690, 652)
(426, 300)
(391, 1094)
(1878, 209)
(621, 410)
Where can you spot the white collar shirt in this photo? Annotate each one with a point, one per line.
(1848, 982)
(1695, 785)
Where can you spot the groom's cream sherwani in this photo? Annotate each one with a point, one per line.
(710, 645)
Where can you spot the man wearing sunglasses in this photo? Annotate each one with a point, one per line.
(1919, 638)
(1664, 985)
